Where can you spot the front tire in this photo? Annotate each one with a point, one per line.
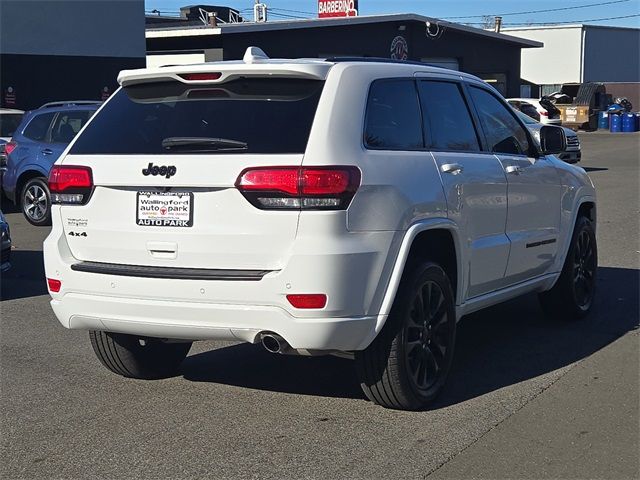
(136, 357)
(35, 202)
(407, 365)
(571, 298)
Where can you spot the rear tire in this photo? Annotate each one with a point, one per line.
(35, 202)
(407, 364)
(571, 298)
(136, 357)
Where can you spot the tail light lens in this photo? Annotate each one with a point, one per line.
(54, 285)
(10, 147)
(544, 113)
(70, 185)
(299, 188)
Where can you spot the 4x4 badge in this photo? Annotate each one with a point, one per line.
(166, 171)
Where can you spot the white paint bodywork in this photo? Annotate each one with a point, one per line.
(356, 257)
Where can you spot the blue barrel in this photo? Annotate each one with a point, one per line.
(615, 123)
(637, 121)
(603, 120)
(628, 122)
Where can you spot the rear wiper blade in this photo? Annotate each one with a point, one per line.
(202, 144)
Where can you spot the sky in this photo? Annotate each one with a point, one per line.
(445, 9)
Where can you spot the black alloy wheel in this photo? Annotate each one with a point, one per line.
(426, 337)
(584, 270)
(408, 363)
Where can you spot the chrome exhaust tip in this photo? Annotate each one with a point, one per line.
(274, 343)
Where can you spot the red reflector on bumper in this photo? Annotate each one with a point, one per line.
(54, 285)
(318, 300)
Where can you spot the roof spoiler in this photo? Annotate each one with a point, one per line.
(255, 62)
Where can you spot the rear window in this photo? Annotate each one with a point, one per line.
(248, 115)
(393, 116)
(9, 123)
(39, 126)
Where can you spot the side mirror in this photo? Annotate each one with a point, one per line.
(552, 140)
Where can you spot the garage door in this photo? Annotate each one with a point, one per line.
(451, 63)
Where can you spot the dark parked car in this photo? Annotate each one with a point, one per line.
(5, 239)
(36, 144)
(9, 120)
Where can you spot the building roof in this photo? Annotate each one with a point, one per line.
(569, 26)
(248, 27)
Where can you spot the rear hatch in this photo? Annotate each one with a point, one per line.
(165, 156)
(554, 112)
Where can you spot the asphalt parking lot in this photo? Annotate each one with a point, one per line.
(528, 397)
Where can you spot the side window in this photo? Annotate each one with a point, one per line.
(393, 116)
(39, 126)
(447, 121)
(504, 133)
(68, 124)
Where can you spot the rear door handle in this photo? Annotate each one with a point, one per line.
(513, 169)
(452, 168)
(47, 151)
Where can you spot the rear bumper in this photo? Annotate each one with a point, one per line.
(352, 270)
(203, 321)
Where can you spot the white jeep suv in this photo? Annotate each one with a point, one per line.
(349, 207)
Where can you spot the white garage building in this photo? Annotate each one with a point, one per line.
(579, 53)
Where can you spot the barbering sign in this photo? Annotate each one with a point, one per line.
(10, 97)
(337, 8)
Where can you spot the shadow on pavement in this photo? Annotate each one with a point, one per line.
(497, 347)
(515, 341)
(595, 169)
(251, 366)
(26, 276)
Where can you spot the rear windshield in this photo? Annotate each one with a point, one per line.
(248, 115)
(9, 123)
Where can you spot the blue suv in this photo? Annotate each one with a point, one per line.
(36, 144)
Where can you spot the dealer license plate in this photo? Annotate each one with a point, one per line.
(165, 209)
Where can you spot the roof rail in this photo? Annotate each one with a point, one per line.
(380, 60)
(71, 102)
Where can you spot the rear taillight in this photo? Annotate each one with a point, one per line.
(295, 188)
(10, 147)
(544, 113)
(70, 185)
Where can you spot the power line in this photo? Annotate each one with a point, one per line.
(573, 21)
(293, 11)
(546, 10)
(288, 17)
